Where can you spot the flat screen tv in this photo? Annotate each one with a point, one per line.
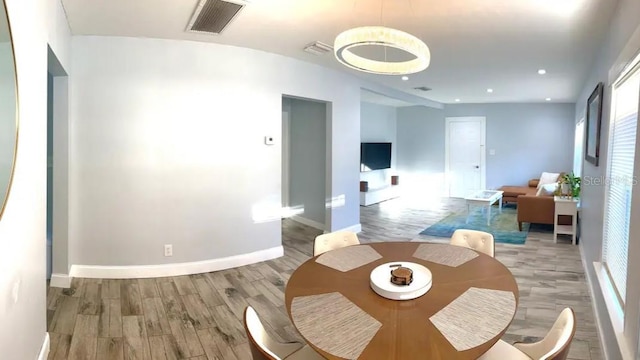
(375, 156)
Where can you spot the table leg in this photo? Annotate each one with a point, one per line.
(488, 214)
(574, 224)
(555, 228)
(500, 204)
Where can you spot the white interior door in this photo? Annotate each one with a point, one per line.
(465, 155)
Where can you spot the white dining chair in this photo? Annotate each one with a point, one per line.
(554, 346)
(263, 347)
(334, 240)
(474, 239)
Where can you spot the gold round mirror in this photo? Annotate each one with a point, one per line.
(8, 108)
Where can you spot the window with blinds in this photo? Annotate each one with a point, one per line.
(620, 181)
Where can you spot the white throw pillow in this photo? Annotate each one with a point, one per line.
(547, 189)
(548, 178)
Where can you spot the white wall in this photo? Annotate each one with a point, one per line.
(167, 147)
(528, 139)
(421, 150)
(624, 23)
(58, 32)
(307, 156)
(378, 124)
(22, 228)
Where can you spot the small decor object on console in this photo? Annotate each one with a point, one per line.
(395, 180)
(401, 275)
(364, 186)
(408, 280)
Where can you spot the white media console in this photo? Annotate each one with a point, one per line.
(374, 196)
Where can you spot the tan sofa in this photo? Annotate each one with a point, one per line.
(532, 208)
(511, 193)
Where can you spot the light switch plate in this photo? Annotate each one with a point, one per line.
(269, 140)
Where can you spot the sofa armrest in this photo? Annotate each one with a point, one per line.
(533, 183)
(536, 209)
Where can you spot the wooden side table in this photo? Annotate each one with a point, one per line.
(565, 206)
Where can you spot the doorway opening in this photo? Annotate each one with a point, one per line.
(305, 161)
(57, 219)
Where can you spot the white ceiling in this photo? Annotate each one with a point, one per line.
(475, 44)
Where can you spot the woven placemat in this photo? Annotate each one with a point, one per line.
(348, 258)
(444, 254)
(334, 324)
(475, 317)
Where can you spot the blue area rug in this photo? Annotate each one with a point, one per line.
(503, 226)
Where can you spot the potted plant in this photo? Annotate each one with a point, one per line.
(570, 185)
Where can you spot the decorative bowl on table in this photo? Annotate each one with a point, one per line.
(408, 280)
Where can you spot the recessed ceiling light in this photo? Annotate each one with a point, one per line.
(548, 99)
(457, 100)
(542, 71)
(489, 90)
(405, 78)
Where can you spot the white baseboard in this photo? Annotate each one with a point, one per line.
(46, 346)
(355, 228)
(316, 225)
(60, 280)
(177, 269)
(305, 221)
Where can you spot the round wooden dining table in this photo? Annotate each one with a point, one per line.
(356, 322)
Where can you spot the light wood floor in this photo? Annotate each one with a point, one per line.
(199, 316)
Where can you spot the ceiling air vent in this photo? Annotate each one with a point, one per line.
(318, 48)
(213, 16)
(422, 88)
